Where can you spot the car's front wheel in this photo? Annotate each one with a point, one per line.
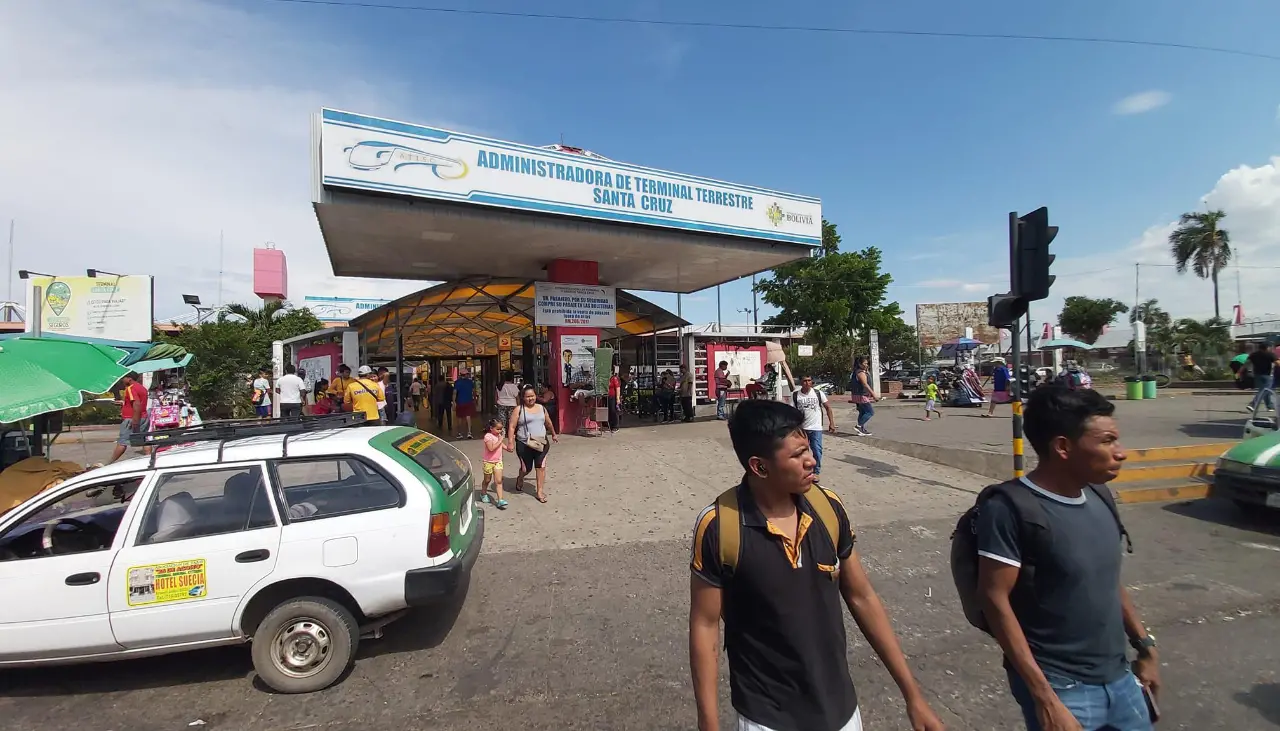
(305, 645)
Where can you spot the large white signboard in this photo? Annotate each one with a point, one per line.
(574, 305)
(107, 307)
(340, 309)
(368, 153)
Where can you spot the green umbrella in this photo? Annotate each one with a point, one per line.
(43, 375)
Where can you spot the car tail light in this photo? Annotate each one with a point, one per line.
(438, 541)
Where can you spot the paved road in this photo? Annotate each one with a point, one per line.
(1172, 420)
(575, 616)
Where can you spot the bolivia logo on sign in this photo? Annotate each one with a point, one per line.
(774, 212)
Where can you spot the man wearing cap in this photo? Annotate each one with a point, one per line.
(464, 390)
(363, 394)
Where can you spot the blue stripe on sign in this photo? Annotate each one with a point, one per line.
(373, 124)
(503, 201)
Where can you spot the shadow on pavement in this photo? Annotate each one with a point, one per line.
(1227, 429)
(1263, 698)
(421, 629)
(1223, 512)
(876, 468)
(183, 668)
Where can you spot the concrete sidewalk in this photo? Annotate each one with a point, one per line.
(633, 484)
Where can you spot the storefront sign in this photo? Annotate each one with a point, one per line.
(109, 307)
(504, 343)
(392, 157)
(574, 305)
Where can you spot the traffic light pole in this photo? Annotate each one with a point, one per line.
(1015, 387)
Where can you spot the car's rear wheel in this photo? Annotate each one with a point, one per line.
(305, 645)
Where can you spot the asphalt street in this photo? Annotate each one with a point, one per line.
(566, 626)
(1174, 419)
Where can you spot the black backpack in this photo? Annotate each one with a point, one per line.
(1034, 536)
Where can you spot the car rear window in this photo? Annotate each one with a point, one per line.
(441, 459)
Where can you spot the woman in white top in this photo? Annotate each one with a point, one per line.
(507, 396)
(528, 429)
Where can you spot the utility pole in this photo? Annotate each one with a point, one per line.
(719, 320)
(221, 242)
(9, 281)
(755, 303)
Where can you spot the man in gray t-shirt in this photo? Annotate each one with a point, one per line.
(1062, 627)
(1073, 624)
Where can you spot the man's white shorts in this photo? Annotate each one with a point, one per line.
(854, 724)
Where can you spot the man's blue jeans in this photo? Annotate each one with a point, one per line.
(720, 404)
(1263, 384)
(865, 412)
(815, 446)
(1116, 706)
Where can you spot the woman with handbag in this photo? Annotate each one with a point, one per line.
(528, 430)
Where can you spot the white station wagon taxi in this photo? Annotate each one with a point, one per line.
(295, 537)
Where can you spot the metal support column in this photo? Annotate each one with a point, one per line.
(1015, 388)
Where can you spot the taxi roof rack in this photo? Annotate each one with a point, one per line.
(233, 429)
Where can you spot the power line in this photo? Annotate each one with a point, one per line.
(1101, 40)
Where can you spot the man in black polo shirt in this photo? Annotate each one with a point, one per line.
(780, 595)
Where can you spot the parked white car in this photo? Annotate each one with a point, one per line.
(295, 542)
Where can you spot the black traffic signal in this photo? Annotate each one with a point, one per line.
(1005, 309)
(1026, 380)
(1031, 257)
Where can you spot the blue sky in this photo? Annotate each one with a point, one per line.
(917, 145)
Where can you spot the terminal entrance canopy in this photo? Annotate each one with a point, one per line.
(397, 200)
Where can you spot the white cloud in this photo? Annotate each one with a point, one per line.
(1250, 196)
(141, 132)
(952, 284)
(1142, 102)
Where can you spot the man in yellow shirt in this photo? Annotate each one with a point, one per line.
(363, 394)
(338, 386)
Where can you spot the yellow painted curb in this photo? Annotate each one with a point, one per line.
(1190, 451)
(1189, 491)
(1141, 473)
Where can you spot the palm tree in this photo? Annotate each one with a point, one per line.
(1201, 244)
(1151, 314)
(258, 319)
(1210, 337)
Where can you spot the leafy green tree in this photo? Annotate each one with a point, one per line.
(228, 350)
(831, 294)
(223, 358)
(1200, 244)
(1085, 318)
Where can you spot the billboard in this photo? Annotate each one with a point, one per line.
(943, 321)
(574, 305)
(109, 307)
(367, 153)
(340, 309)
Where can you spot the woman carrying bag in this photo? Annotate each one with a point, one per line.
(528, 430)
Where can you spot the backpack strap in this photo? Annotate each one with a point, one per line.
(1104, 493)
(826, 513)
(1033, 531)
(729, 526)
